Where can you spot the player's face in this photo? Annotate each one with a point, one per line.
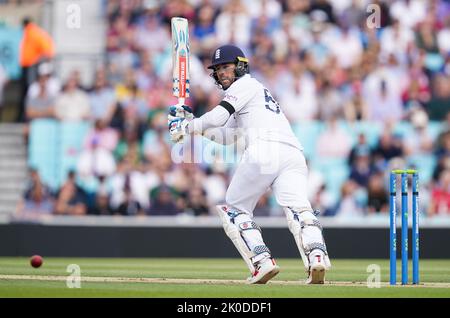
(225, 74)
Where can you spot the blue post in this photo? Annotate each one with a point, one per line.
(393, 229)
(404, 228)
(415, 228)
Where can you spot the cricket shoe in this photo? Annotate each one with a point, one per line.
(264, 271)
(317, 268)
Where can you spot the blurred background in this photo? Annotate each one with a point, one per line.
(85, 86)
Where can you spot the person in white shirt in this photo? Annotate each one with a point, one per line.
(273, 158)
(72, 104)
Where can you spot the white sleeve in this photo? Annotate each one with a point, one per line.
(226, 135)
(237, 96)
(214, 118)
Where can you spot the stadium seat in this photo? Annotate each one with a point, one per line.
(42, 149)
(435, 128)
(70, 144)
(425, 164)
(54, 148)
(372, 131)
(335, 171)
(403, 128)
(308, 133)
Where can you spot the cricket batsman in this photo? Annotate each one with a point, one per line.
(273, 158)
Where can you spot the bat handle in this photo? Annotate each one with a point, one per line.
(181, 101)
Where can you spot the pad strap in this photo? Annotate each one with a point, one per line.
(249, 225)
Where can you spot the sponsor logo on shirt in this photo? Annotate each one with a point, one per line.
(230, 98)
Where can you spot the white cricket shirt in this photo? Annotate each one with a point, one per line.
(257, 113)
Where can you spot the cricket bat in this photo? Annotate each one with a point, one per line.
(180, 59)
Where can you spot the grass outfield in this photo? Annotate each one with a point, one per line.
(218, 278)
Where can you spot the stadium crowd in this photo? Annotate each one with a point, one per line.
(331, 63)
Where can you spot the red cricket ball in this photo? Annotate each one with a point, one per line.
(36, 261)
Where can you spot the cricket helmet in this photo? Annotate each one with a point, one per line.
(229, 54)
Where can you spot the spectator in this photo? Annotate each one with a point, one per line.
(408, 12)
(146, 77)
(317, 49)
(443, 164)
(385, 106)
(426, 37)
(333, 142)
(440, 195)
(149, 34)
(37, 198)
(377, 196)
(130, 206)
(36, 46)
(101, 205)
(353, 12)
(389, 146)
(135, 105)
(443, 38)
(323, 200)
(163, 201)
(360, 147)
(101, 136)
(128, 178)
(130, 148)
(362, 170)
(196, 202)
(346, 46)
(216, 183)
(270, 8)
(439, 105)
(299, 97)
(325, 7)
(443, 145)
(155, 144)
(205, 29)
(95, 161)
(356, 108)
(330, 102)
(233, 24)
(71, 199)
(396, 40)
(349, 206)
(417, 93)
(73, 103)
(178, 8)
(419, 141)
(42, 95)
(101, 99)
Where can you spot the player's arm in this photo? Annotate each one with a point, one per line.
(234, 100)
(182, 122)
(226, 135)
(217, 117)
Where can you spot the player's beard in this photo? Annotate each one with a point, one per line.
(226, 82)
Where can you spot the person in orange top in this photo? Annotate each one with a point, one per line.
(36, 46)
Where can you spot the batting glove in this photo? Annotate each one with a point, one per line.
(180, 111)
(178, 128)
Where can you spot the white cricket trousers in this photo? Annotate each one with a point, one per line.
(268, 164)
